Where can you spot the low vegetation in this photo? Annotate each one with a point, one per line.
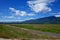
(55, 28)
(10, 32)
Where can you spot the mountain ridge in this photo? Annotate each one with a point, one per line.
(46, 20)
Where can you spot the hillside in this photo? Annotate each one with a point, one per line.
(46, 20)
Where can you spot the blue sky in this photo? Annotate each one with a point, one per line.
(20, 10)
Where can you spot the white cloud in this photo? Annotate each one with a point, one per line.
(30, 18)
(23, 13)
(7, 16)
(40, 5)
(31, 14)
(10, 17)
(12, 9)
(17, 14)
(20, 13)
(58, 14)
(11, 20)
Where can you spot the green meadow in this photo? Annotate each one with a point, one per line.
(13, 32)
(54, 28)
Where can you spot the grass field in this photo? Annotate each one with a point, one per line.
(55, 28)
(10, 32)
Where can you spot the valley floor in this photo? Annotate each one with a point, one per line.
(30, 31)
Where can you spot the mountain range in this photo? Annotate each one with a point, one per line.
(46, 20)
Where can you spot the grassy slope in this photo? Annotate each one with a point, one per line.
(55, 28)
